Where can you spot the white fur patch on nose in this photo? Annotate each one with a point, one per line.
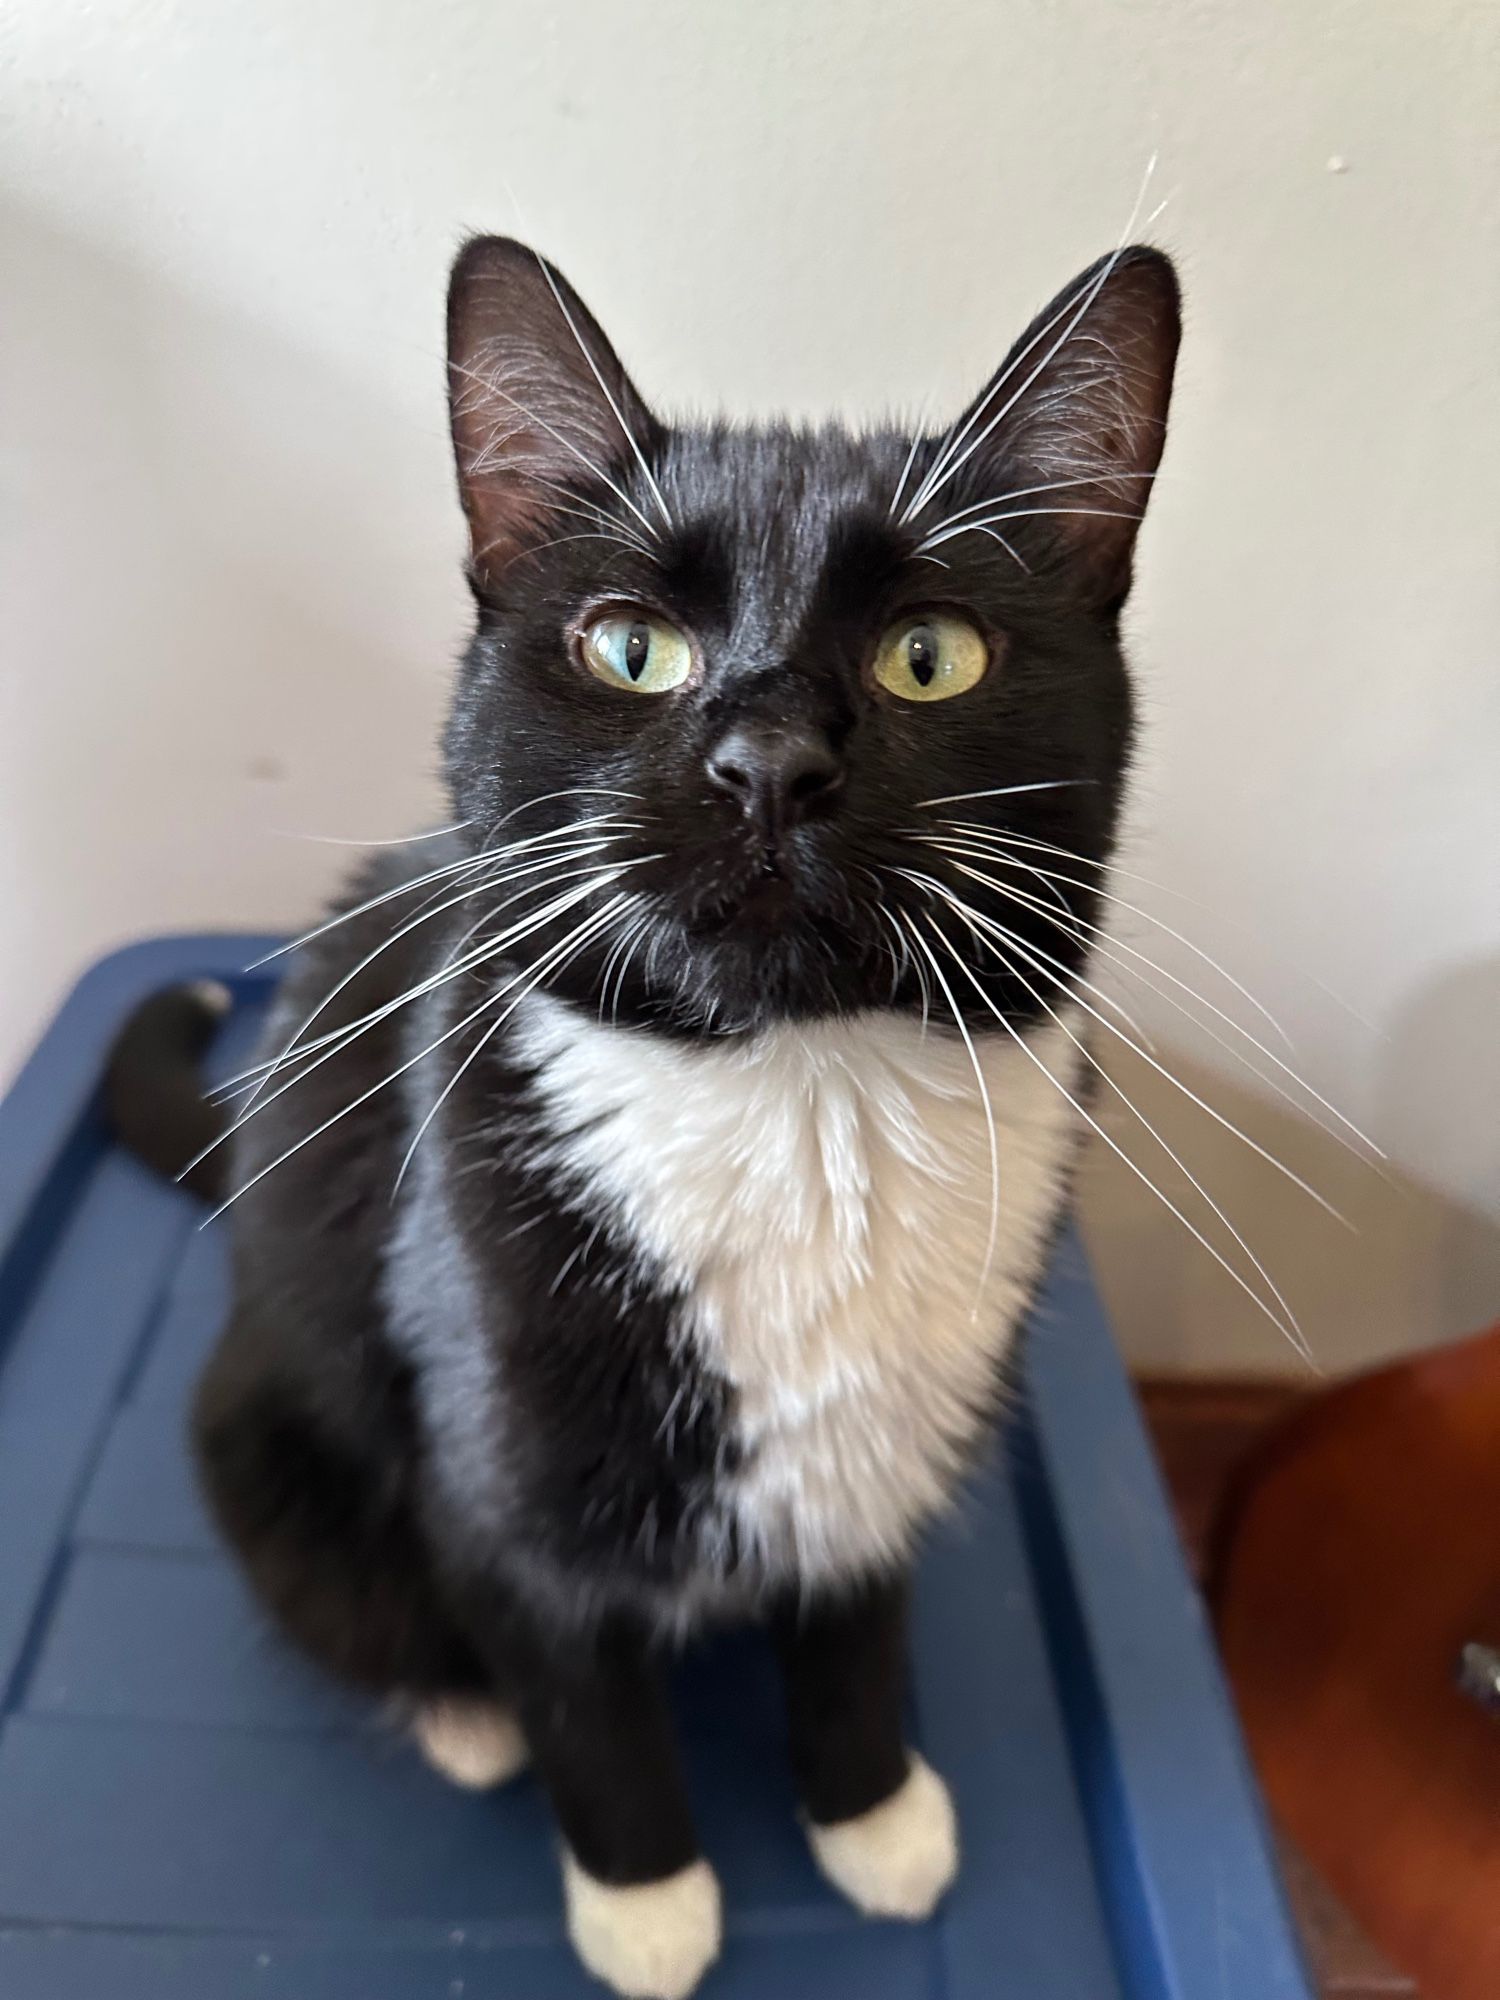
(472, 1743)
(651, 1941)
(896, 1859)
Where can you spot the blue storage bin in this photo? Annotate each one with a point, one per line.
(188, 1813)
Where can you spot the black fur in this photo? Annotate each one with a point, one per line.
(453, 1436)
(153, 1093)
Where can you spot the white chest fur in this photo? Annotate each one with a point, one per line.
(823, 1196)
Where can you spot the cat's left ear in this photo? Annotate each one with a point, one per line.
(541, 407)
(1079, 408)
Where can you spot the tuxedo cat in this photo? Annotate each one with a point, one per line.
(647, 1178)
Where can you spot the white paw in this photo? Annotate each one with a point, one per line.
(898, 1858)
(472, 1743)
(652, 1941)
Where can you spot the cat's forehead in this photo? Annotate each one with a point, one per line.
(750, 465)
(773, 502)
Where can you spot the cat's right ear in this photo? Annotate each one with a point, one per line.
(541, 408)
(1073, 424)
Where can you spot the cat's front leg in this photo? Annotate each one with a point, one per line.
(642, 1903)
(880, 1822)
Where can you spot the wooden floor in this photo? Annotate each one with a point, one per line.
(1202, 1428)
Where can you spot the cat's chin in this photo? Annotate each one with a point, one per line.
(757, 973)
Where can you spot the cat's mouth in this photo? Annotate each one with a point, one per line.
(765, 897)
(770, 932)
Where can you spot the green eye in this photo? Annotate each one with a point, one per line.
(631, 650)
(931, 658)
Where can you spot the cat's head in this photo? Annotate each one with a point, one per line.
(805, 700)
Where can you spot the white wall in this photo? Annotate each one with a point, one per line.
(231, 554)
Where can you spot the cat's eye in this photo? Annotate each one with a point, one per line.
(931, 658)
(632, 649)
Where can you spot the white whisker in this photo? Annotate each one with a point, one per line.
(955, 455)
(403, 840)
(540, 548)
(915, 965)
(617, 962)
(569, 792)
(1005, 791)
(1108, 896)
(642, 930)
(994, 534)
(599, 517)
(490, 387)
(1107, 945)
(363, 1098)
(1017, 944)
(962, 846)
(343, 1039)
(296, 1047)
(976, 917)
(495, 860)
(469, 863)
(249, 1082)
(619, 415)
(995, 501)
(593, 873)
(984, 1098)
(1114, 869)
(1265, 1082)
(465, 862)
(1031, 514)
(918, 433)
(550, 961)
(1291, 1331)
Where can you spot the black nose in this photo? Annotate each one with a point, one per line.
(777, 774)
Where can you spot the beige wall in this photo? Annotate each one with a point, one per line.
(230, 550)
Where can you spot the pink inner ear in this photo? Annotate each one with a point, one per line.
(1097, 411)
(1080, 408)
(540, 404)
(507, 461)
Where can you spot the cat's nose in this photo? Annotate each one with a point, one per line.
(777, 774)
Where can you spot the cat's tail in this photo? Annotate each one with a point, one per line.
(153, 1087)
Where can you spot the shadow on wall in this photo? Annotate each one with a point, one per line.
(1443, 1060)
(1418, 1265)
(233, 596)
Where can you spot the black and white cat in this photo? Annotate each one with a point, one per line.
(722, 1062)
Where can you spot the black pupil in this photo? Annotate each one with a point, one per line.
(922, 655)
(637, 647)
